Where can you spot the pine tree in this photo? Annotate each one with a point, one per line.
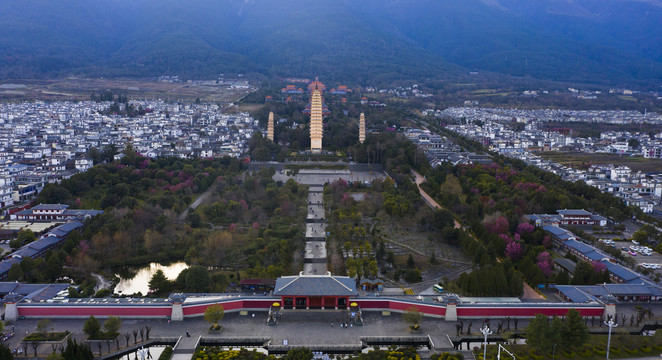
(574, 331)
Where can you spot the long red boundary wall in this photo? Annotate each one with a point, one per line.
(164, 310)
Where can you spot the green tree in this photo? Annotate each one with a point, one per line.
(92, 327)
(54, 194)
(640, 236)
(556, 333)
(575, 332)
(412, 316)
(75, 351)
(214, 314)
(390, 257)
(300, 353)
(410, 262)
(159, 284)
(43, 325)
(5, 352)
(538, 333)
(583, 273)
(562, 278)
(197, 279)
(26, 236)
(112, 325)
(15, 273)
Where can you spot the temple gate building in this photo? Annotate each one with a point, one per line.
(315, 291)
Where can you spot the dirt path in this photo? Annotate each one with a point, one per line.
(530, 293)
(428, 199)
(203, 197)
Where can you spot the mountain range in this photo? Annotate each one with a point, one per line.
(614, 42)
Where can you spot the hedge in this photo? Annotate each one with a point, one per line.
(167, 353)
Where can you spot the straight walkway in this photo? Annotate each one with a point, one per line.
(314, 260)
(185, 347)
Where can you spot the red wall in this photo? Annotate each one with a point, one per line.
(101, 311)
(229, 305)
(386, 304)
(434, 309)
(523, 311)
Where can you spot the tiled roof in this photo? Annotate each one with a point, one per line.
(574, 212)
(554, 230)
(574, 294)
(620, 271)
(315, 285)
(50, 207)
(579, 246)
(596, 255)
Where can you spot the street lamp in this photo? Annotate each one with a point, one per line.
(486, 331)
(611, 324)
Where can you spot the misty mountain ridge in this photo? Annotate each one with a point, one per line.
(593, 41)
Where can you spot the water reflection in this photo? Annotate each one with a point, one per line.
(140, 282)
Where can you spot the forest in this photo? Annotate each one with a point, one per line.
(491, 200)
(246, 224)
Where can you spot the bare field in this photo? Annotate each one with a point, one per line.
(80, 89)
(583, 160)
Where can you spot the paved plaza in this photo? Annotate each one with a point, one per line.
(298, 327)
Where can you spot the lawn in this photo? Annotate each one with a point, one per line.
(622, 346)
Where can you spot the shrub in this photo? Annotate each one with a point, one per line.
(585, 353)
(600, 350)
(631, 351)
(569, 355)
(614, 350)
(535, 356)
(646, 349)
(166, 354)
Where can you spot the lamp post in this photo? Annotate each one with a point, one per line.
(554, 352)
(486, 331)
(611, 324)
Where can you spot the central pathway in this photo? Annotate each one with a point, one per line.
(314, 260)
(185, 347)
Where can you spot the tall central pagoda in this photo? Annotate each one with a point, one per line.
(316, 116)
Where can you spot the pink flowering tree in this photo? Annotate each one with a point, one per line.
(514, 250)
(599, 267)
(497, 226)
(545, 263)
(547, 242)
(524, 228)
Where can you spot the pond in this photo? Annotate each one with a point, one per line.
(140, 282)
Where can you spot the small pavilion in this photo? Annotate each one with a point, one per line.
(315, 291)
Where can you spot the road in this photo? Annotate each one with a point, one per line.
(428, 199)
(203, 197)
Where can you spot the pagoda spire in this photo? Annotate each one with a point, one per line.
(270, 126)
(362, 128)
(316, 122)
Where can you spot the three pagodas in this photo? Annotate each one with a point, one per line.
(316, 119)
